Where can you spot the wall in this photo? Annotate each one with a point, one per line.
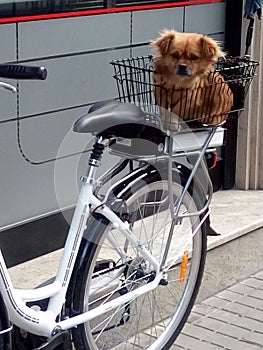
(249, 173)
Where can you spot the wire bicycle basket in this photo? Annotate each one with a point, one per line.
(227, 84)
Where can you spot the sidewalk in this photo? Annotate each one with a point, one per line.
(235, 213)
(231, 319)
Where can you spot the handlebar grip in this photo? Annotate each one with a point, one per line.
(15, 71)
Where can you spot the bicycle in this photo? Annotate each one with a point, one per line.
(134, 256)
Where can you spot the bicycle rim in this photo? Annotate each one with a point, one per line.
(153, 320)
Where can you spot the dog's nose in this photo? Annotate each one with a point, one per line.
(182, 69)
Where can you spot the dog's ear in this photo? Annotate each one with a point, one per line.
(162, 44)
(210, 48)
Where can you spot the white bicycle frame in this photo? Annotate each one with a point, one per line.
(44, 322)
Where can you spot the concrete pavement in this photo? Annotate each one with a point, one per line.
(231, 319)
(235, 213)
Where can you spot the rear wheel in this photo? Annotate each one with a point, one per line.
(154, 319)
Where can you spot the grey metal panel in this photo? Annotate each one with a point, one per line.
(141, 51)
(41, 137)
(71, 81)
(7, 53)
(7, 42)
(26, 190)
(147, 24)
(220, 38)
(50, 136)
(207, 19)
(29, 191)
(62, 36)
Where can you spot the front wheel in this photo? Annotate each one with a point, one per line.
(155, 319)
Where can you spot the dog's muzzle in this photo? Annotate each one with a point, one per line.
(183, 70)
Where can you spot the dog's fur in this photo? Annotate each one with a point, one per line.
(184, 84)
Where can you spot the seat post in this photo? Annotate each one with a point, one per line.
(95, 159)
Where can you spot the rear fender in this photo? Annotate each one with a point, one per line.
(199, 187)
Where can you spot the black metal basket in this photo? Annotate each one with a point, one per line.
(229, 83)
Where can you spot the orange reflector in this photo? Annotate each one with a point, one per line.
(183, 266)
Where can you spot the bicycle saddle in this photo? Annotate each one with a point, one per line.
(112, 118)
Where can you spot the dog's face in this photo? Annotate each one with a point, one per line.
(185, 55)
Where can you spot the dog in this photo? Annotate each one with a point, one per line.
(186, 85)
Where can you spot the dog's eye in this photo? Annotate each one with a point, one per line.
(176, 55)
(193, 57)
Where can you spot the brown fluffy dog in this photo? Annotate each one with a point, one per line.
(185, 83)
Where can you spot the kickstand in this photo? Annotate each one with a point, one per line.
(211, 231)
(61, 341)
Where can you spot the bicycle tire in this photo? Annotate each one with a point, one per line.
(1, 337)
(5, 338)
(112, 331)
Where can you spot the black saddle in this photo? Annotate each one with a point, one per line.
(112, 119)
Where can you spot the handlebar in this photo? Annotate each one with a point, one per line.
(15, 71)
